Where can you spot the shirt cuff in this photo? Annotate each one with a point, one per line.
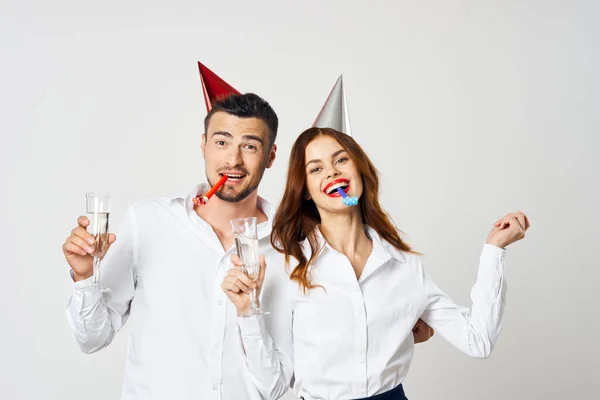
(251, 326)
(492, 261)
(492, 251)
(83, 284)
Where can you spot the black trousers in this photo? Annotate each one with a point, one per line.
(395, 394)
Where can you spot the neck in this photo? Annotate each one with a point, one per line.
(219, 210)
(345, 232)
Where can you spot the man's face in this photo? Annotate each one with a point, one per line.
(239, 148)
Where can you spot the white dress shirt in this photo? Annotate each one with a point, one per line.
(354, 338)
(165, 271)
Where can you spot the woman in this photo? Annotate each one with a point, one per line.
(342, 329)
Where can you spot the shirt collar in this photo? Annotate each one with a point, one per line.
(382, 249)
(384, 246)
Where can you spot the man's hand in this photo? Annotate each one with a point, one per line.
(422, 332)
(78, 248)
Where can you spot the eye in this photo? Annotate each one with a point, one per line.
(220, 143)
(315, 169)
(342, 160)
(251, 147)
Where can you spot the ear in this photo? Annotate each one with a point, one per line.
(272, 155)
(306, 195)
(203, 144)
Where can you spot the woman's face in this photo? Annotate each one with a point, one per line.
(329, 166)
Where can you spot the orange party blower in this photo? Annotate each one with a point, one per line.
(202, 200)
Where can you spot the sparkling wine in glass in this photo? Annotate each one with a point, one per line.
(246, 244)
(98, 212)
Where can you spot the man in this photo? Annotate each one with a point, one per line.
(166, 268)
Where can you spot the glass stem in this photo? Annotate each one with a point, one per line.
(96, 271)
(253, 305)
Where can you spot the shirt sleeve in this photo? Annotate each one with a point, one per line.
(268, 342)
(94, 317)
(473, 331)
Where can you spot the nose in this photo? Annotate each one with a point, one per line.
(332, 172)
(234, 156)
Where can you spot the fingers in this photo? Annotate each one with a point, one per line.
(83, 222)
(514, 225)
(514, 221)
(238, 274)
(422, 332)
(423, 326)
(231, 284)
(80, 242)
(238, 281)
(501, 224)
(520, 219)
(235, 260)
(418, 324)
(520, 229)
(263, 267)
(526, 219)
(431, 331)
(80, 232)
(71, 248)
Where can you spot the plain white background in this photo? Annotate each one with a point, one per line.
(470, 109)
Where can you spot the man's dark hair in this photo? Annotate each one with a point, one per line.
(247, 105)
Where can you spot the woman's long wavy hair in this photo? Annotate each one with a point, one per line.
(297, 216)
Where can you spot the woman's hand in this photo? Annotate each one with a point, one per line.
(508, 230)
(237, 285)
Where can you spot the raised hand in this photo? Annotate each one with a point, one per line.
(508, 229)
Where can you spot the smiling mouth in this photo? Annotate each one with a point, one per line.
(233, 177)
(331, 190)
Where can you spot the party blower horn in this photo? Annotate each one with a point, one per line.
(334, 114)
(202, 200)
(214, 88)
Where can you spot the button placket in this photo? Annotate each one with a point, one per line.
(361, 341)
(218, 321)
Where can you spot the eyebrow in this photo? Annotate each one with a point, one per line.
(222, 133)
(332, 156)
(230, 136)
(253, 137)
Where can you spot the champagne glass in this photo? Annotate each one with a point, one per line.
(246, 244)
(98, 212)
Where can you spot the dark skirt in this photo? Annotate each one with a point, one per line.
(395, 394)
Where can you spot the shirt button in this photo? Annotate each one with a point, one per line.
(217, 346)
(220, 302)
(216, 387)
